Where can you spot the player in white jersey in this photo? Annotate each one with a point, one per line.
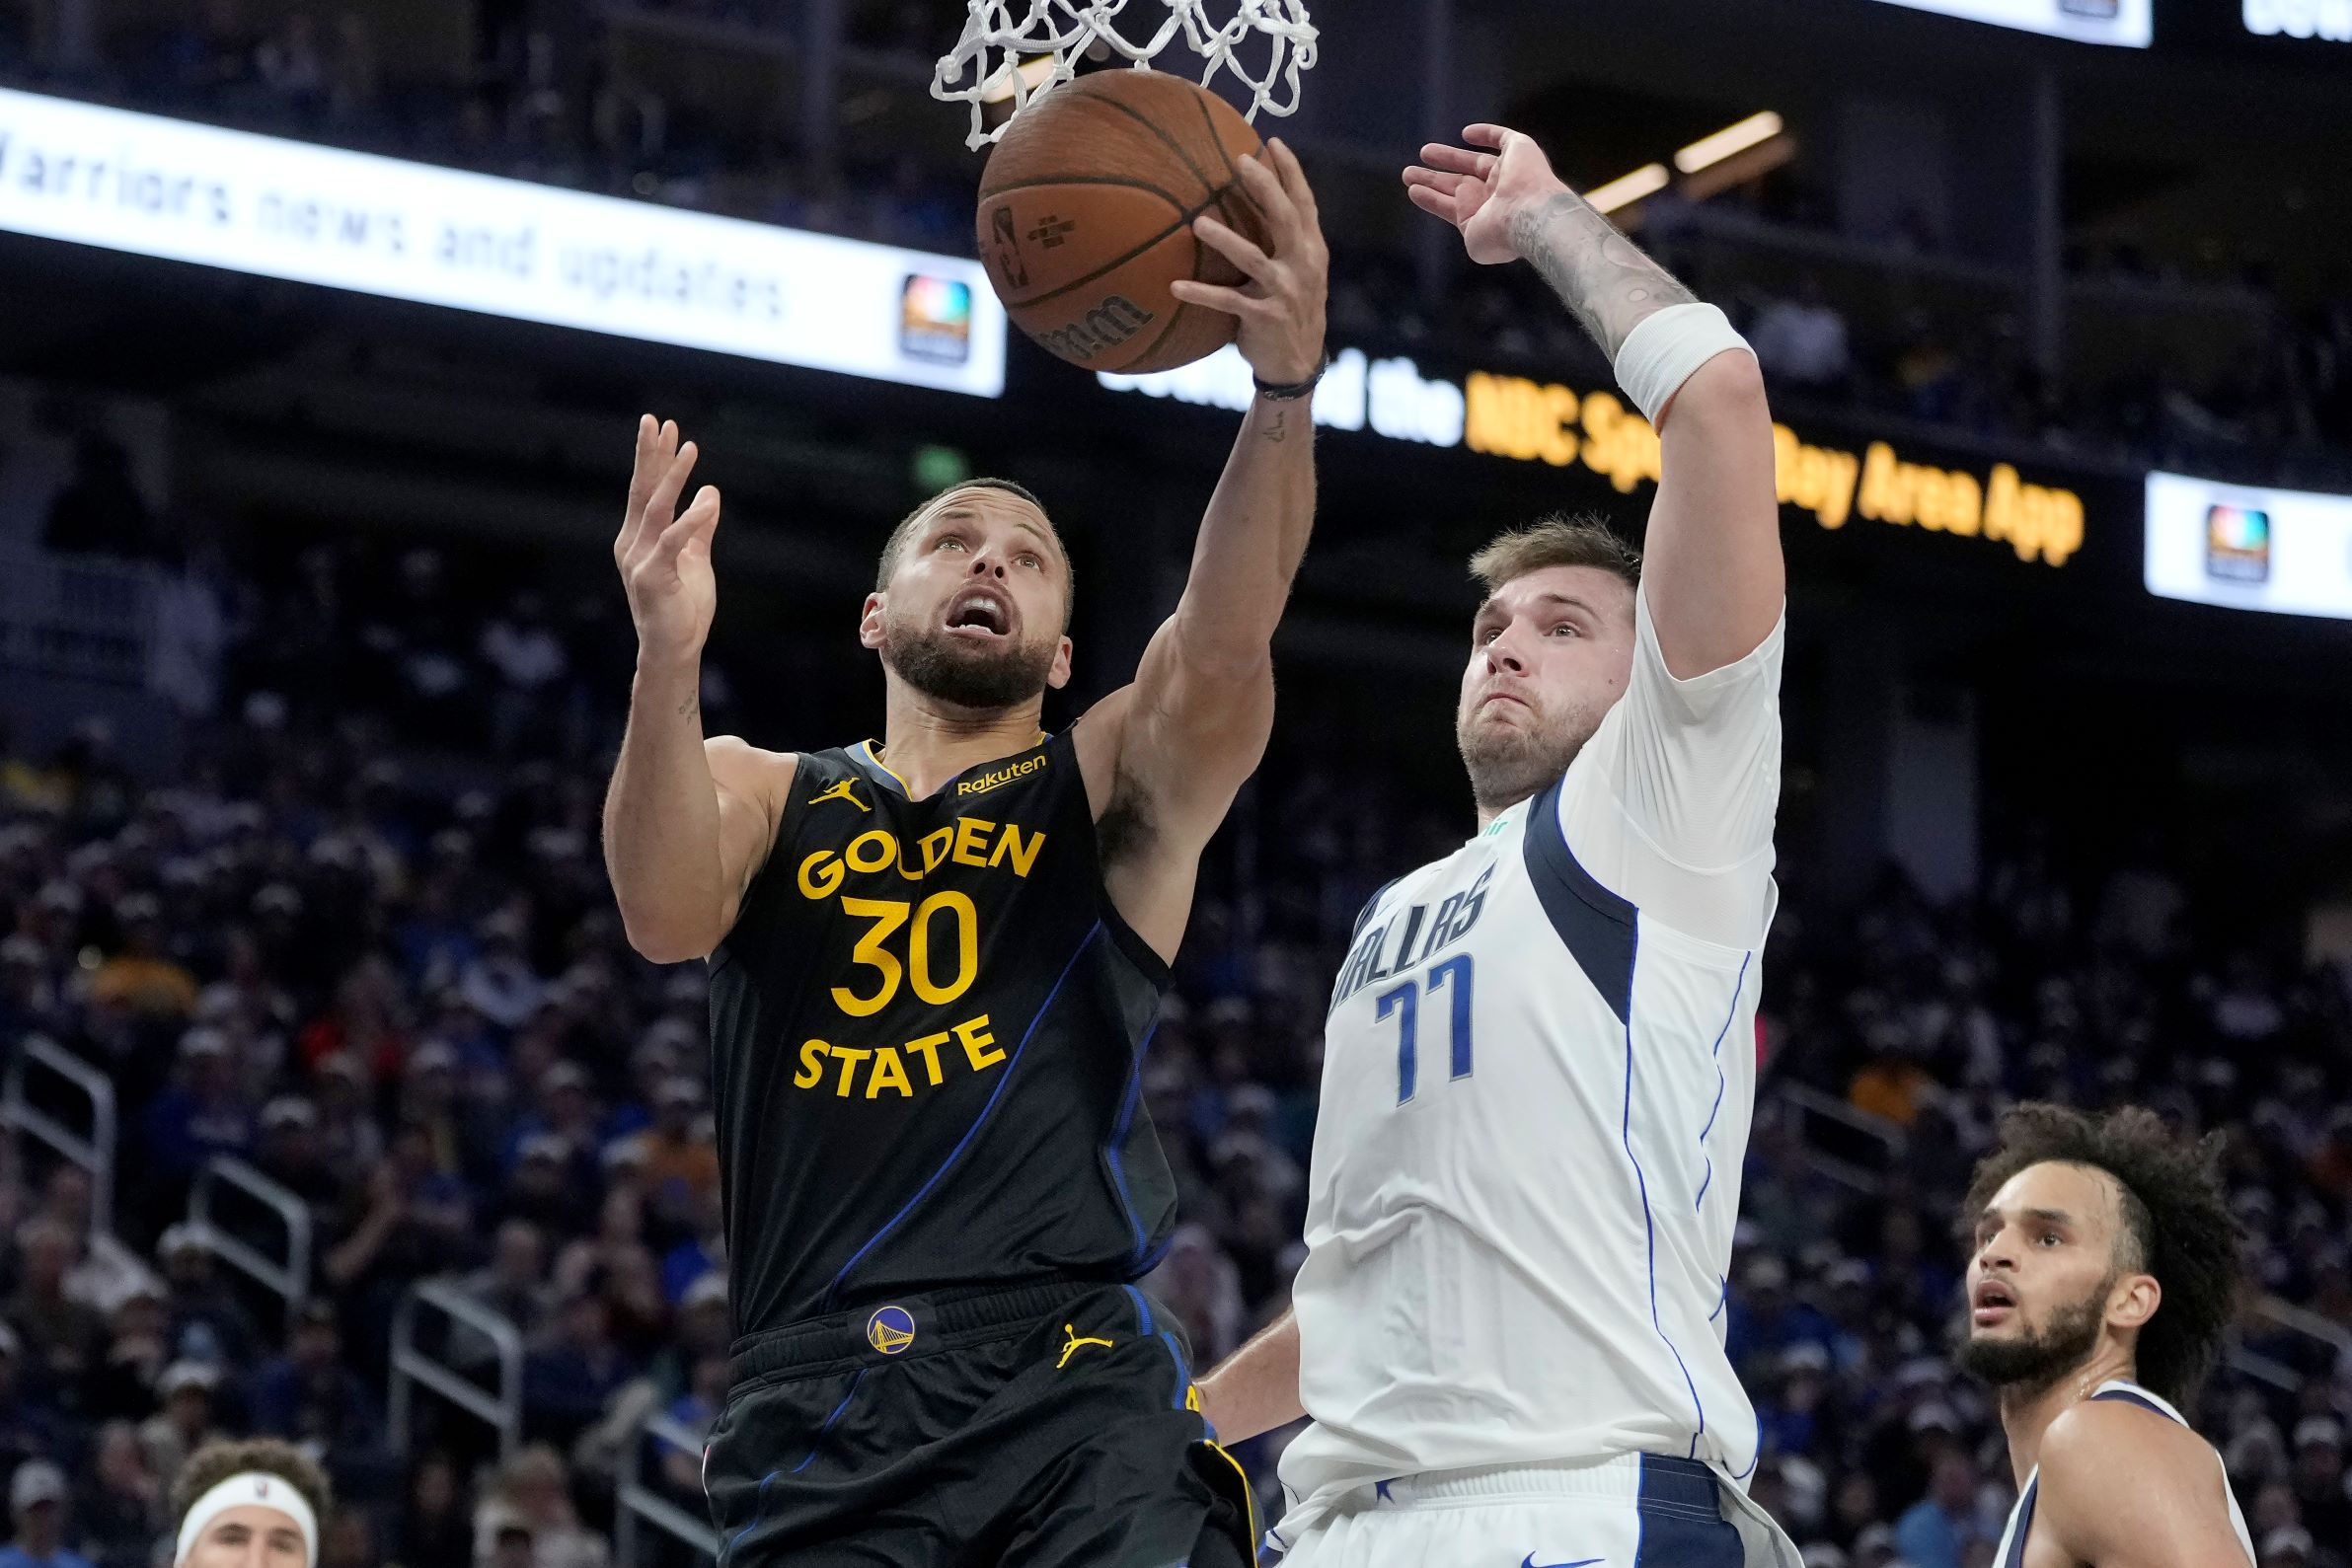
(2104, 1274)
(1540, 1063)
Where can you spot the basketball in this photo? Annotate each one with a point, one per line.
(1086, 217)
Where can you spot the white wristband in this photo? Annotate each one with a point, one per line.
(1667, 348)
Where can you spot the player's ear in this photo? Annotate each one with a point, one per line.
(869, 622)
(1058, 675)
(2133, 1301)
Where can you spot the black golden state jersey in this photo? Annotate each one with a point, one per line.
(927, 1033)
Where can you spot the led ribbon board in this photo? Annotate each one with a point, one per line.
(2128, 23)
(2285, 551)
(275, 208)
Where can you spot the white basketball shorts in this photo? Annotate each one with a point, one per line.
(1633, 1510)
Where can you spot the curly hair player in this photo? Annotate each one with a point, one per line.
(1537, 1071)
(258, 1503)
(935, 964)
(2103, 1275)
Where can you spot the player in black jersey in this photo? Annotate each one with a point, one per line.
(935, 963)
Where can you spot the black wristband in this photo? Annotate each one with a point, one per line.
(1289, 392)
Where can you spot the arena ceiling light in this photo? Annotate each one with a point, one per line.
(1624, 191)
(1728, 142)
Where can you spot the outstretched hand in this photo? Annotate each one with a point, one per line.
(1480, 192)
(665, 556)
(1281, 307)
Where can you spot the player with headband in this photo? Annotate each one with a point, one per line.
(254, 1504)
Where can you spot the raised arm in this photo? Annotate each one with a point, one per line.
(1713, 570)
(1167, 755)
(687, 822)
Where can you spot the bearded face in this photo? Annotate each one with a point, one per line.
(2036, 1355)
(2051, 1251)
(974, 608)
(962, 659)
(1550, 655)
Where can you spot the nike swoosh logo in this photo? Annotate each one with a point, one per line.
(1582, 1562)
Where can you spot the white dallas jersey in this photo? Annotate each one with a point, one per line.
(1538, 1077)
(2011, 1552)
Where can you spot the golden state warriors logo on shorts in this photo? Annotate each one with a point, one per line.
(890, 1329)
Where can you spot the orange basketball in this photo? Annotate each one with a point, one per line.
(1086, 217)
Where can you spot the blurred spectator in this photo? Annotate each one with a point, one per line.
(533, 1494)
(200, 1114)
(677, 1158)
(185, 1391)
(2323, 1490)
(58, 1332)
(309, 1396)
(27, 1430)
(575, 1371)
(141, 976)
(1801, 341)
(117, 1508)
(1938, 1530)
(37, 1502)
(209, 1322)
(436, 1527)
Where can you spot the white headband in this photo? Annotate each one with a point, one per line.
(244, 1489)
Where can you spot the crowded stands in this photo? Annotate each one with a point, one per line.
(362, 943)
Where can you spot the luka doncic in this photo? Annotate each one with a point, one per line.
(935, 963)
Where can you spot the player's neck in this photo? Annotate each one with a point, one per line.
(926, 742)
(1489, 810)
(2027, 1414)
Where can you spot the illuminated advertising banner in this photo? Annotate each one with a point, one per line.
(2286, 551)
(382, 226)
(2129, 23)
(1522, 420)
(2330, 21)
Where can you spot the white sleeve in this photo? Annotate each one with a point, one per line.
(1671, 802)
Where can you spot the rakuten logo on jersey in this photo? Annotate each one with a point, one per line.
(2328, 20)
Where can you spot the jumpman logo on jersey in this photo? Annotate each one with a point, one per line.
(841, 791)
(1072, 1348)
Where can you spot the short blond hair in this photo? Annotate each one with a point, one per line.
(1559, 540)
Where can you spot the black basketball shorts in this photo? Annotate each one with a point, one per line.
(1032, 1427)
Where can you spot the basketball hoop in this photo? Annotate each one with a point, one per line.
(1005, 56)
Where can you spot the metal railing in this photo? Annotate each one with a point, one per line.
(93, 1151)
(638, 1502)
(289, 1278)
(414, 1365)
(1859, 1149)
(2328, 1344)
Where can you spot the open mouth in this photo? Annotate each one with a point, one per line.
(980, 613)
(1990, 1303)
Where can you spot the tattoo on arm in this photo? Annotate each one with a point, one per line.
(687, 709)
(1277, 428)
(1605, 280)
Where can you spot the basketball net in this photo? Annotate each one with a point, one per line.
(1012, 51)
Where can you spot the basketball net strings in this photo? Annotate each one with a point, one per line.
(986, 64)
